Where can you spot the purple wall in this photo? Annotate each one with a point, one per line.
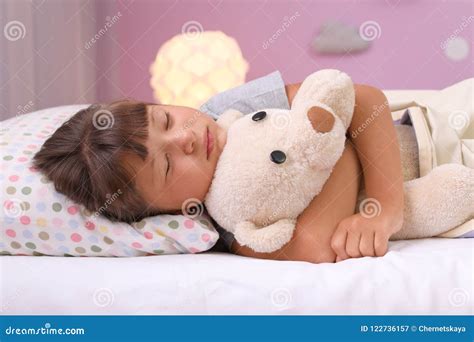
(407, 55)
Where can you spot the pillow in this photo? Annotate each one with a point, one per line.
(37, 220)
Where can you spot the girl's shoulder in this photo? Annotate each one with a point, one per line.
(268, 91)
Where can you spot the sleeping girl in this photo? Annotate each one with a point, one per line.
(160, 155)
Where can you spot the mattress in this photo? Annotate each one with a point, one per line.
(415, 277)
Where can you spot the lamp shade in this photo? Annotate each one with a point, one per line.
(189, 69)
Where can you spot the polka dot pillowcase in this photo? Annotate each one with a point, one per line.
(37, 220)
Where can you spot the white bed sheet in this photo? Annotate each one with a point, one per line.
(429, 276)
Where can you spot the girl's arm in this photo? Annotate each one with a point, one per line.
(329, 221)
(381, 215)
(373, 134)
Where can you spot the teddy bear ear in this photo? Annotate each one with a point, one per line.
(321, 119)
(228, 118)
(331, 87)
(318, 85)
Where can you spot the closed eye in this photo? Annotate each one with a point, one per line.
(167, 165)
(167, 120)
(167, 126)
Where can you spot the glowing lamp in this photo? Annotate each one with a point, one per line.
(190, 68)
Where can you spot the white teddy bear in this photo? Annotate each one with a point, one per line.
(276, 161)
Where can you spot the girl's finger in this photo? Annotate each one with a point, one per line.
(366, 246)
(352, 244)
(380, 244)
(338, 242)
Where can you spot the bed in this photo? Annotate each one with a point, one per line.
(416, 277)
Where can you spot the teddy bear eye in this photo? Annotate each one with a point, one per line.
(259, 116)
(278, 157)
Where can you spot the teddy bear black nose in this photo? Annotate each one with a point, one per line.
(278, 157)
(259, 116)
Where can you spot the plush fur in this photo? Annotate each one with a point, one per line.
(259, 200)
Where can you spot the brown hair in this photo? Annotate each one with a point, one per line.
(84, 158)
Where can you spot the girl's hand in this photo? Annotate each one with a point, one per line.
(362, 235)
(374, 136)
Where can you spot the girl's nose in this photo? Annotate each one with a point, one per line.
(186, 141)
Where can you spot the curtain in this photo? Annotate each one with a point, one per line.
(49, 55)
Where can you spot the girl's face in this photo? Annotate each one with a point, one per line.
(184, 145)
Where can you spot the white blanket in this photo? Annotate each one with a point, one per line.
(418, 277)
(443, 121)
